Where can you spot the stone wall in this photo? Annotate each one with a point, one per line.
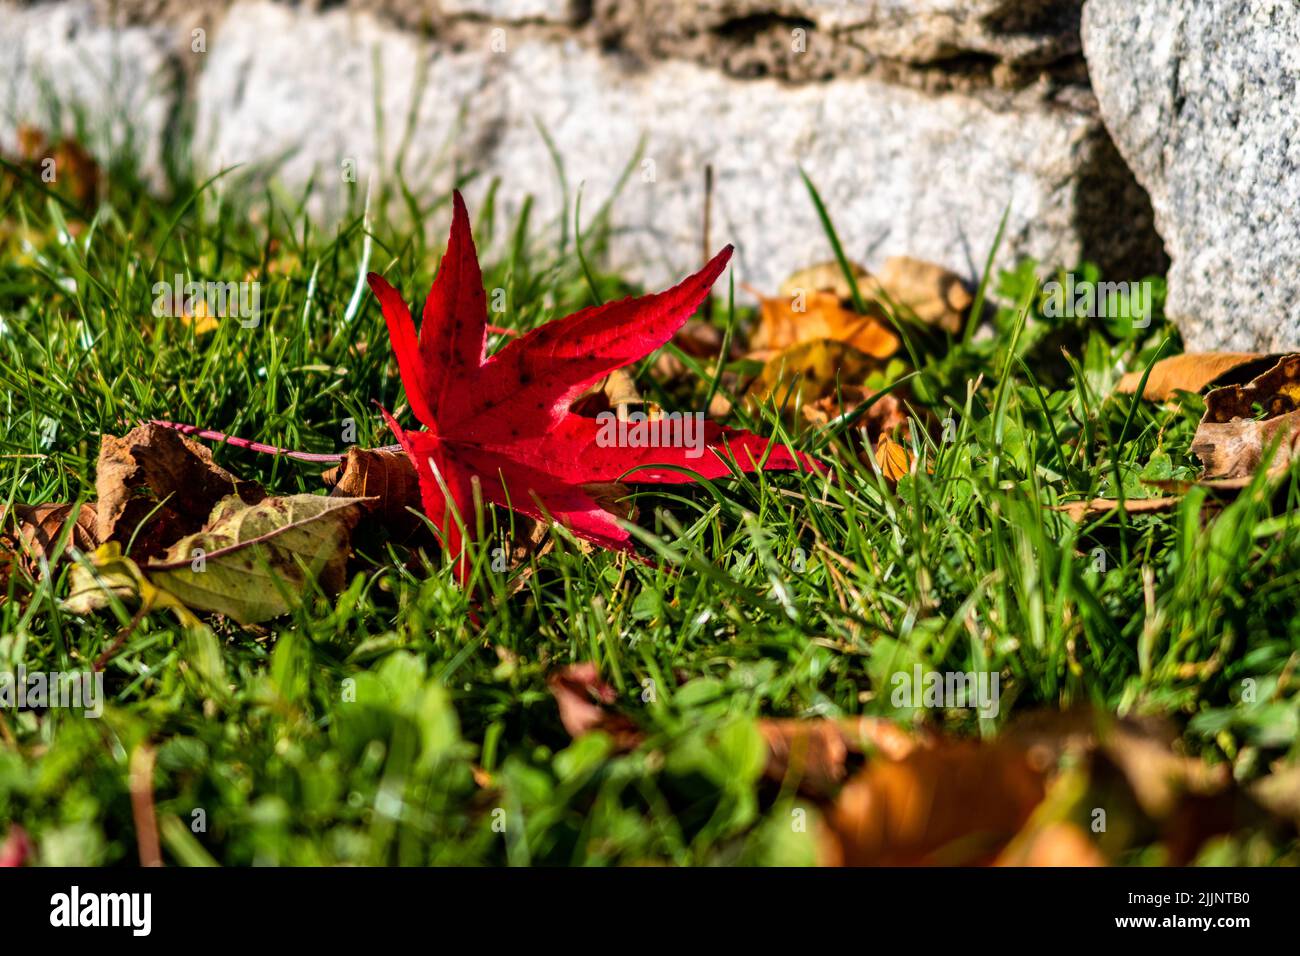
(919, 120)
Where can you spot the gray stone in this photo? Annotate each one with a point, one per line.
(517, 11)
(932, 44)
(63, 69)
(1200, 96)
(904, 172)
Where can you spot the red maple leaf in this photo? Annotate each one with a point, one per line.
(504, 420)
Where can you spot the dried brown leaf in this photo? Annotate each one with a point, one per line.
(824, 277)
(388, 477)
(811, 371)
(584, 702)
(1193, 372)
(932, 293)
(1235, 449)
(1091, 508)
(953, 803)
(41, 527)
(887, 413)
(152, 463)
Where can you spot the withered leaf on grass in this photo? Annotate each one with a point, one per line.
(152, 463)
(929, 292)
(111, 574)
(1022, 799)
(1233, 438)
(1236, 449)
(584, 701)
(41, 528)
(811, 371)
(1091, 508)
(1134, 761)
(813, 755)
(77, 174)
(893, 459)
(1194, 371)
(255, 562)
(387, 478)
(952, 803)
(819, 315)
(886, 415)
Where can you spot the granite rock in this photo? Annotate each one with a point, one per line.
(905, 172)
(1200, 97)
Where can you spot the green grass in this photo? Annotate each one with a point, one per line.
(348, 731)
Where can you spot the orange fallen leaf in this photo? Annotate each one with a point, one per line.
(1192, 372)
(808, 316)
(953, 803)
(894, 460)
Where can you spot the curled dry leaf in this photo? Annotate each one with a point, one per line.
(1078, 511)
(1236, 449)
(1193, 372)
(387, 478)
(42, 527)
(256, 562)
(584, 701)
(152, 463)
(1232, 439)
(930, 292)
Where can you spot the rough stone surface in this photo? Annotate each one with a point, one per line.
(905, 172)
(552, 11)
(1201, 97)
(931, 44)
(60, 60)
